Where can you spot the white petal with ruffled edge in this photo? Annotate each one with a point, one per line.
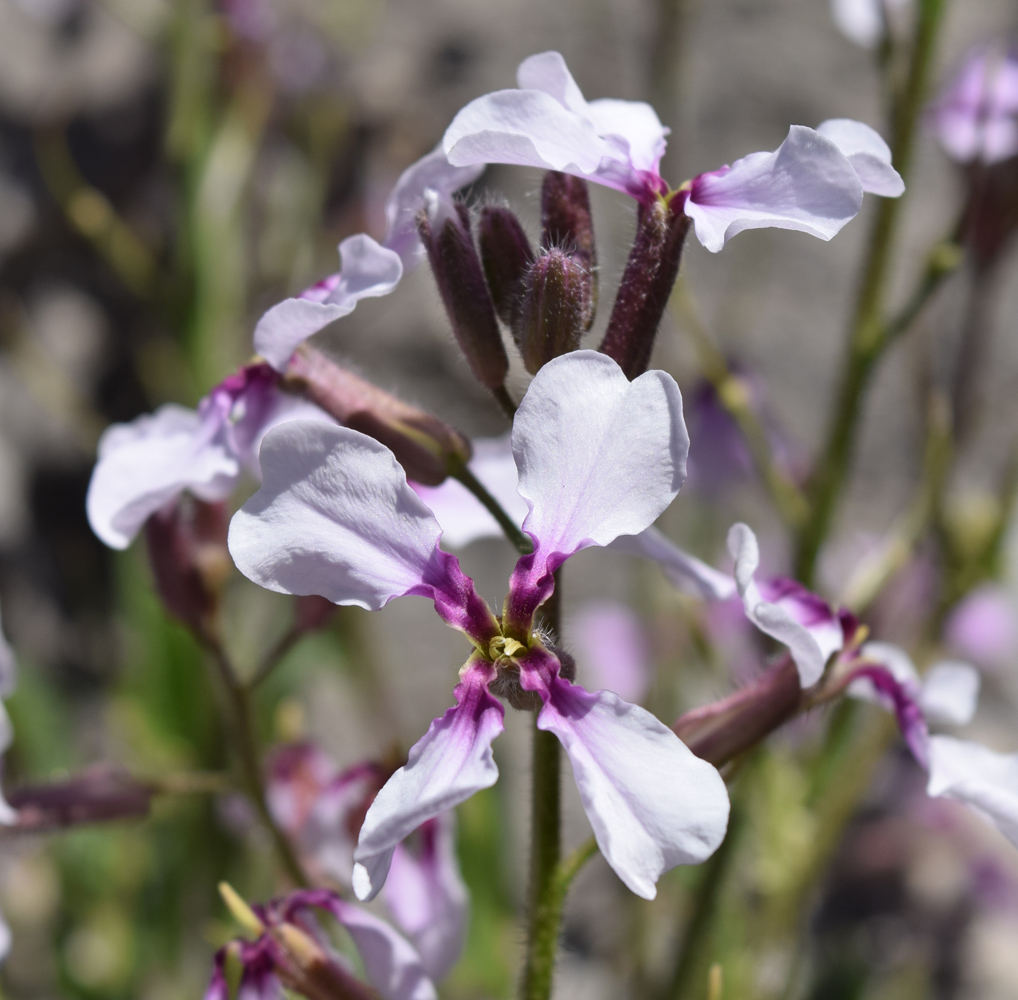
(806, 184)
(652, 803)
(451, 762)
(427, 898)
(684, 571)
(868, 154)
(981, 778)
(145, 464)
(367, 270)
(334, 517)
(809, 654)
(598, 456)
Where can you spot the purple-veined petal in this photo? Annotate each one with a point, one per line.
(391, 964)
(811, 641)
(335, 517)
(651, 802)
(950, 693)
(807, 184)
(464, 519)
(431, 173)
(145, 464)
(611, 648)
(451, 762)
(598, 456)
(427, 898)
(367, 270)
(980, 777)
(684, 571)
(868, 154)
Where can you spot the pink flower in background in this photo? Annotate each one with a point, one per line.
(975, 119)
(814, 182)
(984, 627)
(367, 269)
(598, 457)
(147, 463)
(611, 646)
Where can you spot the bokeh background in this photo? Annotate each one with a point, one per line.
(168, 170)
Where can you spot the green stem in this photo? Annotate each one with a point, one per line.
(869, 336)
(276, 655)
(522, 542)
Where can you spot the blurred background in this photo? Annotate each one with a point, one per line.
(168, 170)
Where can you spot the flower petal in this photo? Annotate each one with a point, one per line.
(611, 648)
(8, 667)
(145, 464)
(860, 21)
(367, 270)
(811, 643)
(451, 762)
(638, 124)
(684, 571)
(981, 778)
(807, 184)
(652, 803)
(427, 898)
(868, 154)
(950, 693)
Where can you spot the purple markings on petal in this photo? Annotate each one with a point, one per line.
(611, 648)
(652, 803)
(218, 988)
(900, 697)
(367, 270)
(446, 766)
(807, 184)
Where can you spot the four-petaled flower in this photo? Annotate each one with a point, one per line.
(598, 457)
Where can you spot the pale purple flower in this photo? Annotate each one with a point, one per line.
(984, 627)
(599, 457)
(975, 119)
(610, 645)
(367, 269)
(148, 463)
(391, 965)
(867, 22)
(323, 808)
(814, 182)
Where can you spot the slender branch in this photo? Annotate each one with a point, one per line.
(276, 654)
(520, 541)
(869, 335)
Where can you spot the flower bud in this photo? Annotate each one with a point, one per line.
(312, 613)
(460, 280)
(310, 970)
(426, 447)
(566, 223)
(556, 298)
(506, 255)
(647, 281)
(187, 551)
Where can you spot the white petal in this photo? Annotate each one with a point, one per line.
(598, 456)
(463, 517)
(334, 517)
(446, 766)
(144, 464)
(8, 667)
(547, 71)
(807, 184)
(868, 154)
(897, 662)
(367, 270)
(950, 693)
(427, 898)
(434, 173)
(981, 778)
(652, 803)
(684, 571)
(635, 122)
(772, 619)
(860, 21)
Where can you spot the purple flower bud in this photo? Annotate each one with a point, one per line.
(460, 280)
(647, 281)
(313, 612)
(556, 301)
(566, 223)
(505, 255)
(187, 551)
(425, 446)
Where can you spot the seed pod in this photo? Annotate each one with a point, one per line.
(460, 280)
(505, 255)
(555, 301)
(566, 223)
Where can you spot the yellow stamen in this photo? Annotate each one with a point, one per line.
(503, 646)
(241, 912)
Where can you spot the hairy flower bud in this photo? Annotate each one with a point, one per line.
(505, 255)
(460, 280)
(566, 223)
(647, 281)
(426, 447)
(189, 558)
(556, 296)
